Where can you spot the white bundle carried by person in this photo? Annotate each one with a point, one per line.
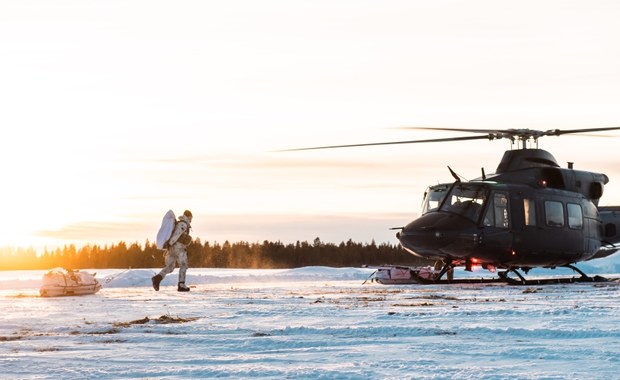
(165, 230)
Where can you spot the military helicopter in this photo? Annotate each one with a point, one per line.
(529, 213)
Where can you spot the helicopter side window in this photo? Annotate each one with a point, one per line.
(497, 213)
(575, 216)
(554, 212)
(529, 206)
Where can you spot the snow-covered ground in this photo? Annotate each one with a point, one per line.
(309, 323)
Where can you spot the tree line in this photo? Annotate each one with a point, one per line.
(213, 255)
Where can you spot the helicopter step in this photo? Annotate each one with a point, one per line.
(427, 275)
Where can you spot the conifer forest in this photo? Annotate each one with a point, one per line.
(255, 255)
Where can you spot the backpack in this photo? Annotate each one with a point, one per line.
(165, 231)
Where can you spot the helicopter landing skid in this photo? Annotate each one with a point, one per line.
(554, 280)
(396, 275)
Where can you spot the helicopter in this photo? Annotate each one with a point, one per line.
(529, 213)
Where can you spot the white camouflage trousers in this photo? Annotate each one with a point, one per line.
(175, 254)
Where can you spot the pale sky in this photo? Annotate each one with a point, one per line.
(113, 112)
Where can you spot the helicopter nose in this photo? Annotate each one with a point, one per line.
(439, 234)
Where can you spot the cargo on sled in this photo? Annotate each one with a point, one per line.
(66, 282)
(391, 274)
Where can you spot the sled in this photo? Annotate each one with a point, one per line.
(390, 274)
(65, 282)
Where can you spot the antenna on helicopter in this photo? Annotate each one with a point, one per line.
(456, 176)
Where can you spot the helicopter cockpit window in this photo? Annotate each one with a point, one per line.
(497, 212)
(466, 200)
(433, 197)
(554, 214)
(575, 216)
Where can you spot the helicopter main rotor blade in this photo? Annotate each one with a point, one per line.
(487, 131)
(522, 134)
(559, 132)
(597, 135)
(487, 134)
(517, 132)
(392, 143)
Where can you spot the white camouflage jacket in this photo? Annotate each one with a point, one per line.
(182, 227)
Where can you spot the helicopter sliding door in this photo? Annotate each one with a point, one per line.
(564, 225)
(548, 231)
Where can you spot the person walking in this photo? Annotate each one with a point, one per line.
(176, 252)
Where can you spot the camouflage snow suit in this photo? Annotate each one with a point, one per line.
(177, 251)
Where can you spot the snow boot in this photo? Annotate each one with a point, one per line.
(156, 280)
(182, 287)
